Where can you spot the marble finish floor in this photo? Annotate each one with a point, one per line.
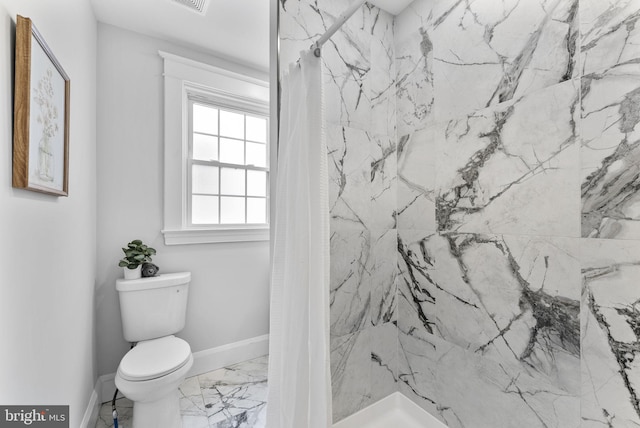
(231, 397)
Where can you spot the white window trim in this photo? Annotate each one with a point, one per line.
(182, 75)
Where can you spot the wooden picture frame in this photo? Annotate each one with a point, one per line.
(41, 115)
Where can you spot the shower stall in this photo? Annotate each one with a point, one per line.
(484, 167)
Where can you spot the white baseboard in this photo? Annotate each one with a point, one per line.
(203, 361)
(93, 408)
(395, 409)
(226, 355)
(106, 386)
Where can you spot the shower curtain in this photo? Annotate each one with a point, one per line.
(299, 367)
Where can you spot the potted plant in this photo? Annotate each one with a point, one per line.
(135, 254)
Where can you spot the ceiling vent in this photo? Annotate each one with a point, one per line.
(197, 6)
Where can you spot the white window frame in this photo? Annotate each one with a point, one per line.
(212, 99)
(185, 78)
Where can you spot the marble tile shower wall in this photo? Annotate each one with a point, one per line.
(518, 216)
(360, 112)
(484, 161)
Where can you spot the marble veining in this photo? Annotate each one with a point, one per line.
(520, 300)
(349, 177)
(345, 57)
(231, 397)
(610, 152)
(350, 296)
(416, 287)
(416, 181)
(475, 392)
(358, 61)
(383, 74)
(465, 390)
(362, 179)
(610, 33)
(383, 183)
(383, 274)
(511, 299)
(414, 67)
(514, 48)
(350, 381)
(383, 361)
(359, 87)
(363, 368)
(492, 135)
(362, 280)
(610, 333)
(417, 367)
(512, 168)
(236, 396)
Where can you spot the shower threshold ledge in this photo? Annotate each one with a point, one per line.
(395, 410)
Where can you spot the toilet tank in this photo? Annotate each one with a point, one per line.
(153, 307)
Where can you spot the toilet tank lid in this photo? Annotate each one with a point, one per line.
(162, 280)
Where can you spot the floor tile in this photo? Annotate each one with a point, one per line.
(231, 397)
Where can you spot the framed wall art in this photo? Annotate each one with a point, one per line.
(41, 115)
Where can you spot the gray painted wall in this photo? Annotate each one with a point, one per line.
(229, 293)
(48, 244)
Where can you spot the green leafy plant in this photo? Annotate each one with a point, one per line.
(135, 254)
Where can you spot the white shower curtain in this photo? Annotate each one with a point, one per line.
(299, 368)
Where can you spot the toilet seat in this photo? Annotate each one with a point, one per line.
(154, 358)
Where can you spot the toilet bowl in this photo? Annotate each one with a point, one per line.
(149, 375)
(152, 310)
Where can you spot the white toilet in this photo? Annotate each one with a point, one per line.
(152, 310)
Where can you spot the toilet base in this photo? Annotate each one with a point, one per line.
(156, 402)
(164, 413)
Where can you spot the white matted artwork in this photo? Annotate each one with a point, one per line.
(41, 116)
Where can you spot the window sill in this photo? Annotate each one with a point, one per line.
(214, 236)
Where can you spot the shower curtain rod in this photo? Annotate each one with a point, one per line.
(317, 46)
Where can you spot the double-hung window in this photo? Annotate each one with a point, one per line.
(228, 161)
(216, 154)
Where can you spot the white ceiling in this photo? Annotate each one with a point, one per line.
(236, 30)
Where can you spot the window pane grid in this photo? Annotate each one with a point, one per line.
(233, 208)
(229, 195)
(229, 165)
(206, 134)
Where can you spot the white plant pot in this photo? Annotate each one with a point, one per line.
(133, 273)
